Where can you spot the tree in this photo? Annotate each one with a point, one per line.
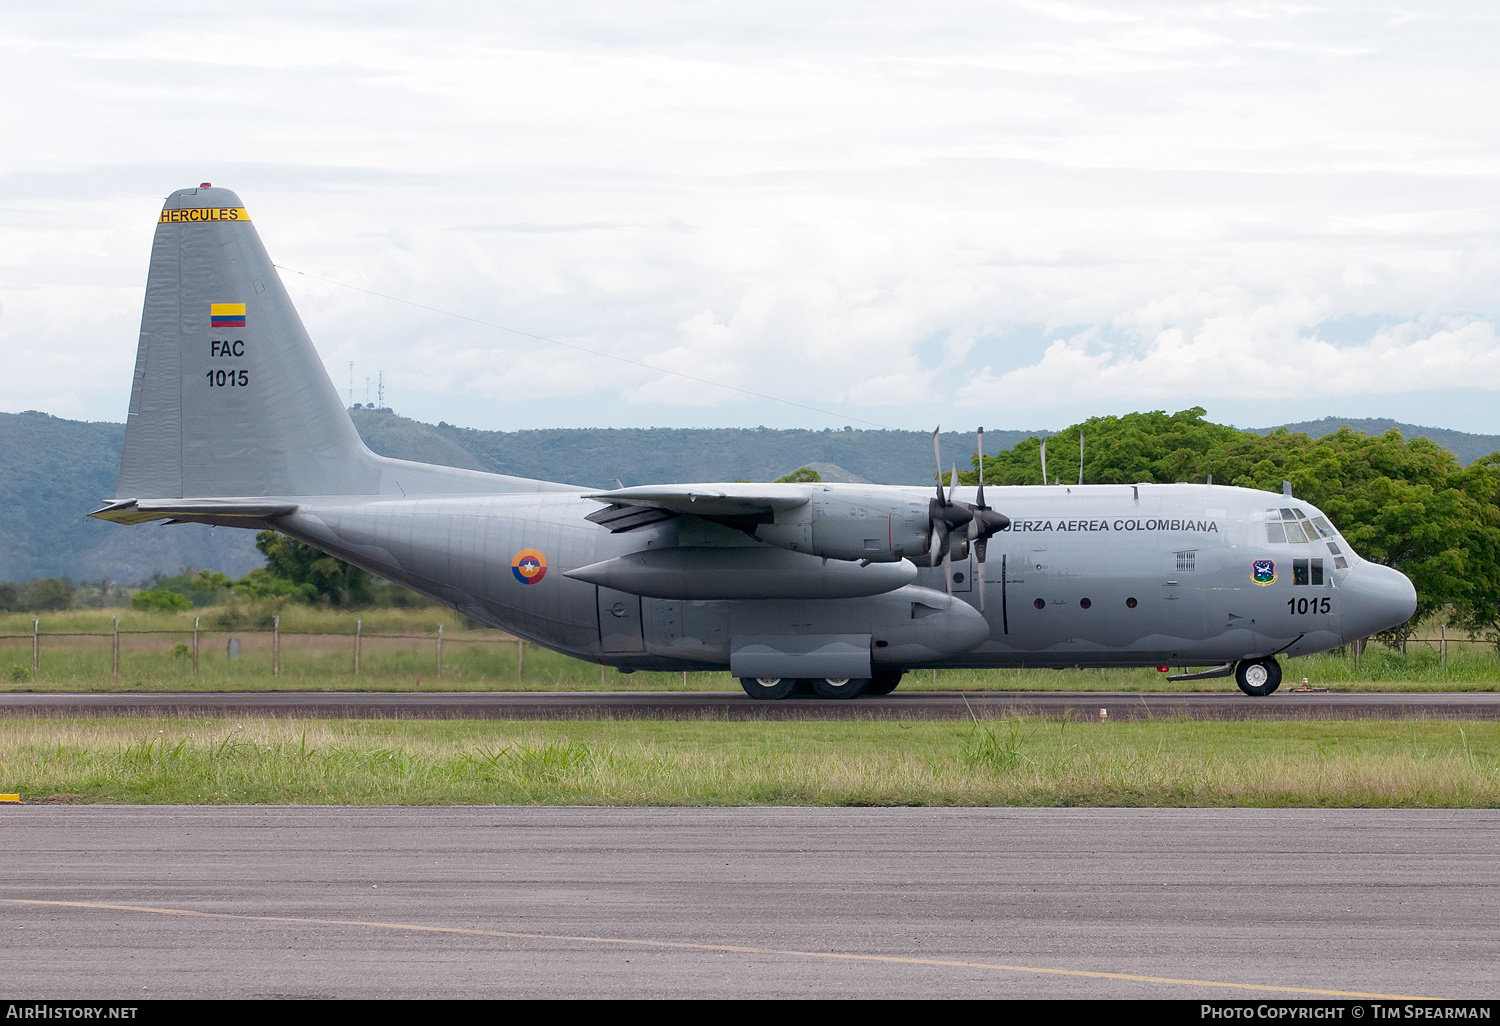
(159, 600)
(49, 594)
(803, 475)
(332, 580)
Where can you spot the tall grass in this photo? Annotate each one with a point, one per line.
(1007, 762)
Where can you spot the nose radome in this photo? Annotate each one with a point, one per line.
(1376, 598)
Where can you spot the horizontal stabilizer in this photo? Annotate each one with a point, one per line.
(230, 512)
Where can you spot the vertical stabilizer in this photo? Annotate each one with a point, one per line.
(230, 397)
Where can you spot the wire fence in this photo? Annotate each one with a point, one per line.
(147, 645)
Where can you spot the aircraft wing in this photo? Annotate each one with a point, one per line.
(630, 508)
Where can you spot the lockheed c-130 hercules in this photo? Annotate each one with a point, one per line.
(234, 422)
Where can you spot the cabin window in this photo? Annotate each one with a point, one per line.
(1284, 526)
(1307, 572)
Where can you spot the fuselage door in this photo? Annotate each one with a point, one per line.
(620, 622)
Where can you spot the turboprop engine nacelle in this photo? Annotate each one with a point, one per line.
(851, 523)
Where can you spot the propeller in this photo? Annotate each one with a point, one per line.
(948, 515)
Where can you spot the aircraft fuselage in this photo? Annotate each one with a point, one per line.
(1094, 575)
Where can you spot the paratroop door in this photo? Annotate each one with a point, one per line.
(620, 621)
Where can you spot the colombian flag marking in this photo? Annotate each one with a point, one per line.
(226, 315)
(529, 566)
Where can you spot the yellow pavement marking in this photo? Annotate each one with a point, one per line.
(729, 948)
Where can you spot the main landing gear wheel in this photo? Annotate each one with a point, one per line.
(884, 682)
(768, 689)
(1258, 677)
(840, 687)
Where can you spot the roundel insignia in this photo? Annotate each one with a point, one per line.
(1263, 571)
(529, 566)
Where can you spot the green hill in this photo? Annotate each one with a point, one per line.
(1466, 447)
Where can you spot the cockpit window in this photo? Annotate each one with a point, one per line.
(1287, 514)
(1275, 533)
(1294, 534)
(1324, 527)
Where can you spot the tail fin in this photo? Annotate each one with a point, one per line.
(230, 397)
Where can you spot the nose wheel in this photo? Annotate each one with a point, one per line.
(1258, 677)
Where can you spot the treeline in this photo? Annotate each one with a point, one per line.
(294, 572)
(1409, 504)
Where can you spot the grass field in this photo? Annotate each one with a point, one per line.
(317, 653)
(1003, 762)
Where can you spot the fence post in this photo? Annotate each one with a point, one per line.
(195, 646)
(520, 657)
(1445, 648)
(276, 646)
(117, 650)
(36, 639)
(684, 678)
(358, 629)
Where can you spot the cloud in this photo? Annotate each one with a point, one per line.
(871, 208)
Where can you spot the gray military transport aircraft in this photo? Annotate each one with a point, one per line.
(235, 422)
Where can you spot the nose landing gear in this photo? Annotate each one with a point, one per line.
(1258, 677)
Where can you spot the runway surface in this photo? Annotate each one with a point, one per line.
(1236, 904)
(932, 705)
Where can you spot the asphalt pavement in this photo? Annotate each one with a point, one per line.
(1227, 904)
(921, 705)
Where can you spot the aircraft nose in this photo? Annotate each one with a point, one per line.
(1376, 598)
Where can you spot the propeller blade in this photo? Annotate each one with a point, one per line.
(952, 480)
(937, 455)
(979, 576)
(939, 537)
(948, 569)
(979, 499)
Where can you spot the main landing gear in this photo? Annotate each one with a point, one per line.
(1258, 677)
(772, 688)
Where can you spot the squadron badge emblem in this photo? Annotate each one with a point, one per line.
(529, 566)
(1263, 571)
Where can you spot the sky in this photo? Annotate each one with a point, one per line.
(799, 214)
